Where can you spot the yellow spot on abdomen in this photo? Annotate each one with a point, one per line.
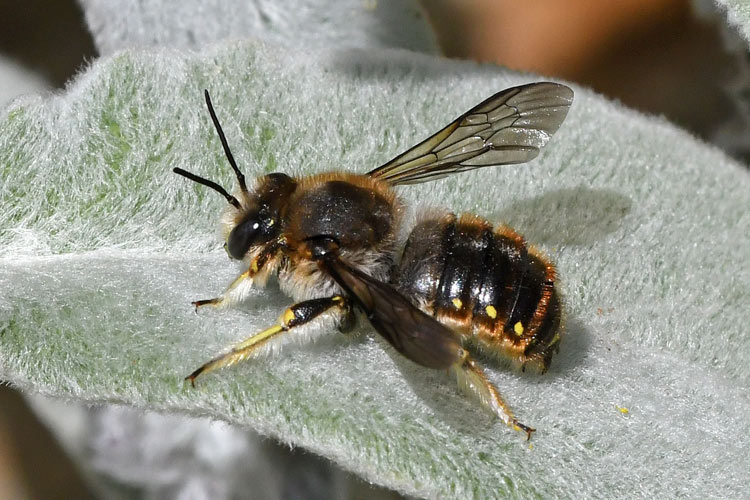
(254, 265)
(518, 328)
(623, 410)
(457, 302)
(491, 312)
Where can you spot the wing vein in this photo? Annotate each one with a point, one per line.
(508, 128)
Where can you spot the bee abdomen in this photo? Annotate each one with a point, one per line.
(486, 284)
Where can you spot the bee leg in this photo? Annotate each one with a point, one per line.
(293, 317)
(472, 380)
(256, 273)
(348, 321)
(231, 295)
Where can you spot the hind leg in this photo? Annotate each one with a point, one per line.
(472, 380)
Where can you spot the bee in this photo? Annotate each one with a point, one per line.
(457, 284)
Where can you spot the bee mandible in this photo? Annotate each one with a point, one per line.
(331, 240)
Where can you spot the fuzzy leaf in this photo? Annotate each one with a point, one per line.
(102, 249)
(192, 24)
(738, 15)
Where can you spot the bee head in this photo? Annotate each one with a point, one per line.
(258, 221)
(255, 219)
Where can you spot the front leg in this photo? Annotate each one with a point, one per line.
(290, 320)
(234, 293)
(260, 267)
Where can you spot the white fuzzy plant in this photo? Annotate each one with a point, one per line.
(102, 248)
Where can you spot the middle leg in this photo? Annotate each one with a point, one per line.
(293, 317)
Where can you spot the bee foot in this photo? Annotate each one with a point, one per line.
(205, 302)
(523, 428)
(191, 378)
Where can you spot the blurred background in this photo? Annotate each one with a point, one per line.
(675, 58)
(666, 57)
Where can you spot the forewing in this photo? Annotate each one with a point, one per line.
(509, 127)
(416, 335)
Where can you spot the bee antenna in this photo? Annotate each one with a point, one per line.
(230, 157)
(200, 180)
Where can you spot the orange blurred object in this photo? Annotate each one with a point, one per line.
(563, 38)
(654, 55)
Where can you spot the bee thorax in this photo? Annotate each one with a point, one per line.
(302, 279)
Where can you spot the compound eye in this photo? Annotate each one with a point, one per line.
(241, 237)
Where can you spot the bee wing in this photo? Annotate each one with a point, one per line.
(509, 127)
(416, 335)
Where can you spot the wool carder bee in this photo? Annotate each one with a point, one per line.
(458, 284)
